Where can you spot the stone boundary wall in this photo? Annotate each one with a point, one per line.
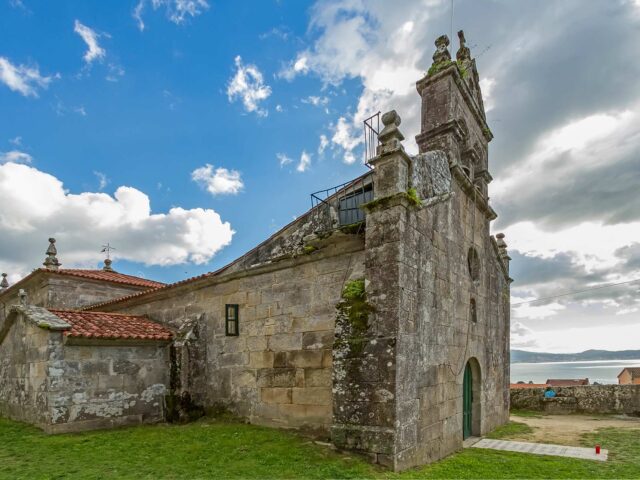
(619, 399)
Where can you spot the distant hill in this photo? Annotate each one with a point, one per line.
(520, 356)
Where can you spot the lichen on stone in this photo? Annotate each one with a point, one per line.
(353, 316)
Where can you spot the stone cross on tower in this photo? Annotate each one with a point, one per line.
(51, 262)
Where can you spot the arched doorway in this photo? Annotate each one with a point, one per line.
(471, 399)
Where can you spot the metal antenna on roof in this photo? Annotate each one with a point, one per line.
(107, 261)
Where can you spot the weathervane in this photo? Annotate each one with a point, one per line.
(107, 261)
(107, 249)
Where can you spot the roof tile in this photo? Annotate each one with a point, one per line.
(112, 326)
(114, 277)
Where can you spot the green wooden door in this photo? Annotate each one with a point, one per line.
(467, 399)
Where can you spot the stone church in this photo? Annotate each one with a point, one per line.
(379, 319)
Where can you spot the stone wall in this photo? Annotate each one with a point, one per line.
(277, 371)
(25, 353)
(623, 399)
(107, 384)
(47, 380)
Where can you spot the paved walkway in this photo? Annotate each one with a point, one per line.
(542, 449)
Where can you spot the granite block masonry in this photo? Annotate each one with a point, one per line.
(390, 336)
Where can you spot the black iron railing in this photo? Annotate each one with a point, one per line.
(345, 199)
(371, 132)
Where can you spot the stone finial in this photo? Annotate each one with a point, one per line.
(442, 51)
(390, 136)
(107, 265)
(22, 295)
(502, 249)
(463, 54)
(4, 284)
(51, 262)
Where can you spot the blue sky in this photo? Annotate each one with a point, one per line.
(162, 126)
(168, 112)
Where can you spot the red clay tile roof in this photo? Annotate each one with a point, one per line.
(112, 326)
(634, 371)
(114, 277)
(529, 385)
(569, 382)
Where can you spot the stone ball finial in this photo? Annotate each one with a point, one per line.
(390, 136)
(4, 283)
(22, 295)
(442, 51)
(107, 265)
(500, 241)
(51, 262)
(391, 118)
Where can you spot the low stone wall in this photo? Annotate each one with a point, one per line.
(583, 399)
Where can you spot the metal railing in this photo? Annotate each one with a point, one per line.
(344, 200)
(371, 142)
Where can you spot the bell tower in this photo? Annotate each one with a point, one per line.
(453, 118)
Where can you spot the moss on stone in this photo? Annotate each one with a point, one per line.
(464, 73)
(354, 311)
(438, 67)
(412, 195)
(307, 249)
(353, 228)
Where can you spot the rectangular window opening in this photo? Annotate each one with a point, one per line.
(231, 320)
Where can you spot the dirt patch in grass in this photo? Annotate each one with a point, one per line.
(567, 429)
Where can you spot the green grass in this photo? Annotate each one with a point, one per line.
(228, 449)
(511, 429)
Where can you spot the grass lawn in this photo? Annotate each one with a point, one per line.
(227, 449)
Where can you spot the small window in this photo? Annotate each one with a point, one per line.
(474, 264)
(231, 320)
(473, 312)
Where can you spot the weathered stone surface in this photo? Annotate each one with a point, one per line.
(621, 399)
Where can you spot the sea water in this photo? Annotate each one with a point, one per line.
(601, 371)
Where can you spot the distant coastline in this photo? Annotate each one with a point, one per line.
(522, 356)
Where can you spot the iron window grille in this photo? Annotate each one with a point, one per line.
(231, 320)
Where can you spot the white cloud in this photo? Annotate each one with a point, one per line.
(295, 67)
(345, 137)
(23, 79)
(15, 156)
(316, 101)
(522, 336)
(115, 72)
(324, 143)
(16, 141)
(279, 108)
(219, 181)
(36, 206)
(90, 37)
(486, 86)
(177, 11)
(305, 162)
(248, 85)
(102, 180)
(375, 43)
(283, 159)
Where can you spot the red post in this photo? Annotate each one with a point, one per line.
(597, 449)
